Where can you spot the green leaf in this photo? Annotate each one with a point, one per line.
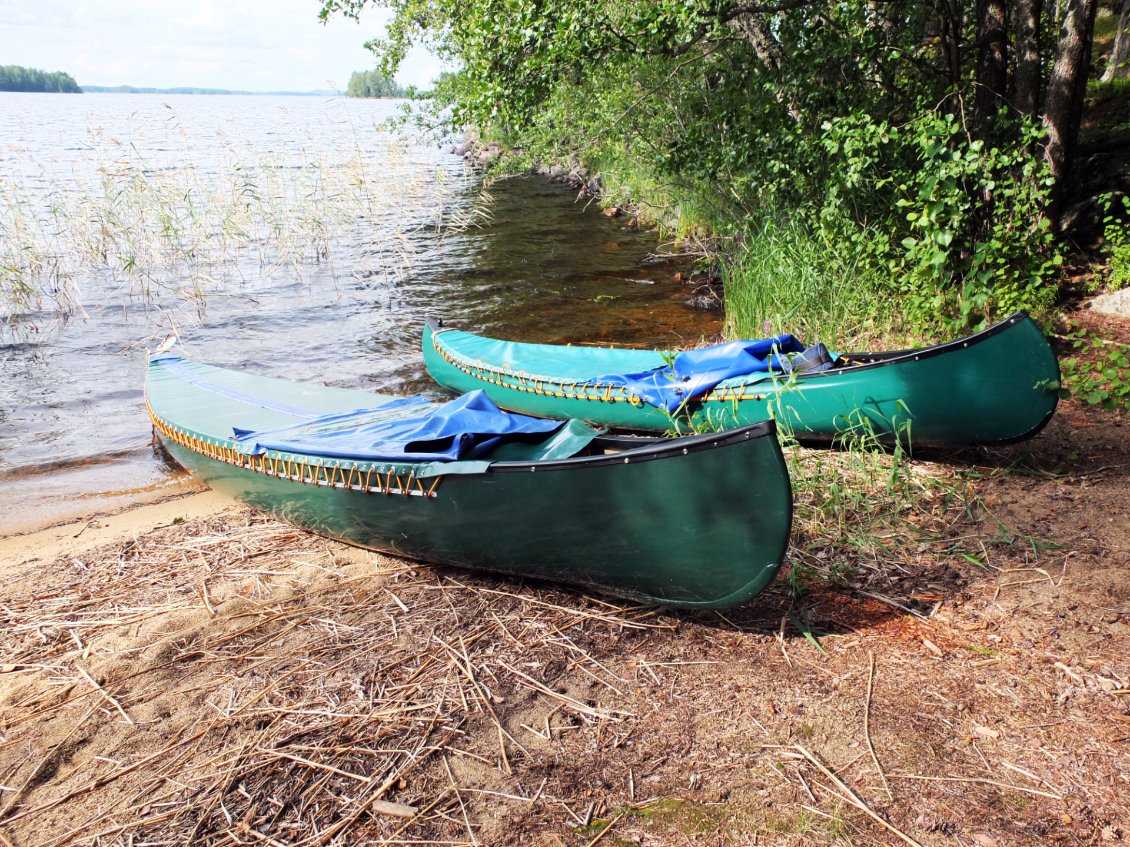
(801, 623)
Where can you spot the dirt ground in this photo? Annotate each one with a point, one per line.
(191, 672)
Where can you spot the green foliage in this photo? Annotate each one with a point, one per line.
(732, 121)
(974, 241)
(1098, 371)
(373, 83)
(1116, 238)
(16, 78)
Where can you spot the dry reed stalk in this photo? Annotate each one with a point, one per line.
(606, 829)
(981, 780)
(306, 709)
(105, 694)
(565, 700)
(845, 793)
(105, 780)
(867, 723)
(459, 799)
(18, 794)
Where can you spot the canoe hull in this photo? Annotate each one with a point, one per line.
(683, 530)
(995, 387)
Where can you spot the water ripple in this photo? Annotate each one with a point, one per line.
(537, 265)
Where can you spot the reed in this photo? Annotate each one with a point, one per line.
(236, 679)
(128, 225)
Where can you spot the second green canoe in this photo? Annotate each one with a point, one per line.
(997, 386)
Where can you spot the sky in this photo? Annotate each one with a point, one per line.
(245, 45)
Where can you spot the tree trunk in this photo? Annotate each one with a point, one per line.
(1026, 78)
(1063, 108)
(755, 29)
(992, 63)
(1118, 67)
(951, 24)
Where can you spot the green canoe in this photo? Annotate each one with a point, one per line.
(697, 521)
(997, 386)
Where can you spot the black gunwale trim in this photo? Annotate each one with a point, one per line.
(661, 448)
(883, 358)
(892, 357)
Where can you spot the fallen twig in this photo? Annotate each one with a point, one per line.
(867, 723)
(846, 793)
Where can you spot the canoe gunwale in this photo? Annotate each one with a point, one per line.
(338, 472)
(363, 477)
(875, 360)
(660, 448)
(884, 358)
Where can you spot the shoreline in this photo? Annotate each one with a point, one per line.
(138, 513)
(29, 506)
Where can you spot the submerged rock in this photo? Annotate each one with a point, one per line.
(704, 302)
(489, 153)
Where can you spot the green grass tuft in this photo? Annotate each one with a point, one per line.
(784, 278)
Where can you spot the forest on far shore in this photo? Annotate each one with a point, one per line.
(16, 78)
(373, 83)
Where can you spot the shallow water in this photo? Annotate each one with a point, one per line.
(536, 264)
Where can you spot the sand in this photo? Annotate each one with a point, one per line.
(946, 669)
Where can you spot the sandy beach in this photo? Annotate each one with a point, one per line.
(188, 671)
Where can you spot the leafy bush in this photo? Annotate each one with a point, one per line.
(1116, 238)
(1098, 371)
(971, 240)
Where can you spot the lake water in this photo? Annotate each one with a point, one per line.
(290, 236)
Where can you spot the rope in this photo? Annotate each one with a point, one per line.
(282, 467)
(505, 377)
(534, 384)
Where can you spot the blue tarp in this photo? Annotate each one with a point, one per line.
(695, 372)
(465, 428)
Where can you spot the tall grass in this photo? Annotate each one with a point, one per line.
(784, 278)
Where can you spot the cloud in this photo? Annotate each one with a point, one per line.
(236, 44)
